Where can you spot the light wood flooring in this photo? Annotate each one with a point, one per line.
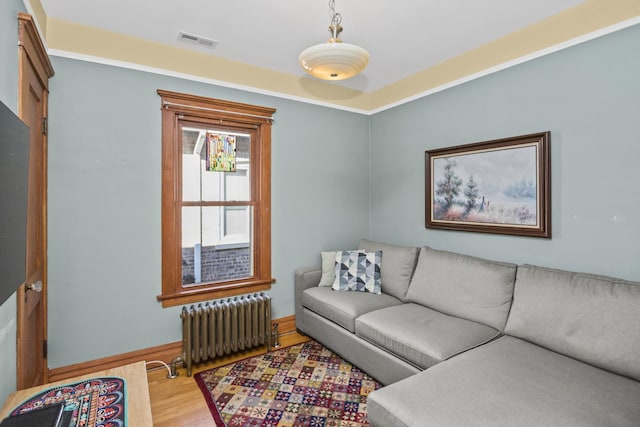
(179, 402)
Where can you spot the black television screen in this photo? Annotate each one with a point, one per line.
(14, 176)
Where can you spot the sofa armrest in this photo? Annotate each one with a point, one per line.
(305, 278)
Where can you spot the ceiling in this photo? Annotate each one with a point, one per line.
(402, 38)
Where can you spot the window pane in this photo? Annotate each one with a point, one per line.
(216, 243)
(215, 165)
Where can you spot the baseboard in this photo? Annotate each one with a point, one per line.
(165, 353)
(286, 325)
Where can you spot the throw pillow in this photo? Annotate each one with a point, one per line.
(358, 271)
(328, 268)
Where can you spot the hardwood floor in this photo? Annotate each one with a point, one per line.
(179, 402)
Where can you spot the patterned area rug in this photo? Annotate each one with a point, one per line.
(302, 385)
(98, 402)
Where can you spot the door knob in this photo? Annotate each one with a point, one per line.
(37, 286)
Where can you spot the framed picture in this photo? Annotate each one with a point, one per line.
(501, 186)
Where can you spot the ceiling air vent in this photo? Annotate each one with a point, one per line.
(197, 40)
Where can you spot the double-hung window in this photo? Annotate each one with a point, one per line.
(216, 198)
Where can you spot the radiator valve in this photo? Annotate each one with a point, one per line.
(173, 372)
(274, 336)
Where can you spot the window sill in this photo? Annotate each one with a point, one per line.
(214, 291)
(227, 246)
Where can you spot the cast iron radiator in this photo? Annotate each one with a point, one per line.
(224, 327)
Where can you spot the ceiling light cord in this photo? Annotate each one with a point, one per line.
(334, 24)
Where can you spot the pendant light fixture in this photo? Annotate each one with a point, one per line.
(334, 60)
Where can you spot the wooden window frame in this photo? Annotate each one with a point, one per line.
(178, 108)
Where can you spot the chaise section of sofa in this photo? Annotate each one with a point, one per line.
(571, 357)
(508, 382)
(595, 319)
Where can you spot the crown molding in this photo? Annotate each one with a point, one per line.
(587, 21)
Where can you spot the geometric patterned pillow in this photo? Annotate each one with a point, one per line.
(358, 271)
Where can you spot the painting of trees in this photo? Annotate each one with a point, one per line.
(471, 193)
(449, 186)
(500, 186)
(466, 192)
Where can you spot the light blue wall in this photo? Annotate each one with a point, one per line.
(333, 182)
(588, 96)
(9, 95)
(104, 203)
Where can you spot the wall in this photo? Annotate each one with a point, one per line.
(104, 203)
(9, 95)
(104, 182)
(588, 97)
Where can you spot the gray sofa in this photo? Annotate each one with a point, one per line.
(460, 341)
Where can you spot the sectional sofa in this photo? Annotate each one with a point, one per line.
(464, 341)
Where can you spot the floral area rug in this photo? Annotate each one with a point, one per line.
(302, 385)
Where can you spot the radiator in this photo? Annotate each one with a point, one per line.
(225, 326)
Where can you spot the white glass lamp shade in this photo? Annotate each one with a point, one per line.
(334, 61)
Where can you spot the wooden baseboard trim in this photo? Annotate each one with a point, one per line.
(286, 325)
(165, 353)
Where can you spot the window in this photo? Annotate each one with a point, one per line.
(216, 198)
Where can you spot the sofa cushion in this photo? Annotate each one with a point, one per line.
(357, 271)
(464, 286)
(420, 335)
(508, 382)
(343, 307)
(396, 268)
(592, 318)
